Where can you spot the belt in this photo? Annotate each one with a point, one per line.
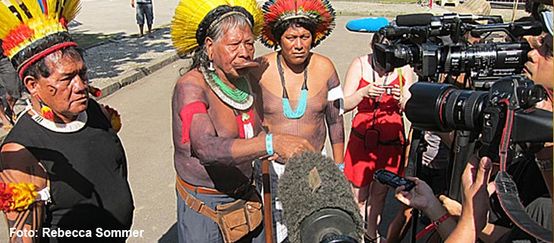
(198, 189)
(393, 142)
(193, 202)
(357, 134)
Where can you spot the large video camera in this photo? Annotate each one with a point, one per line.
(435, 44)
(483, 112)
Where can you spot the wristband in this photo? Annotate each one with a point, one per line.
(269, 143)
(341, 167)
(433, 225)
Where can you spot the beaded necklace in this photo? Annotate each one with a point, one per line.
(302, 102)
(238, 98)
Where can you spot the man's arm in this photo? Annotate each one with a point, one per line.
(20, 166)
(212, 149)
(334, 119)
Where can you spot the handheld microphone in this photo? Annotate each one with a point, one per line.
(370, 25)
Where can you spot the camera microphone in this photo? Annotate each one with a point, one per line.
(424, 19)
(370, 25)
(414, 19)
(318, 204)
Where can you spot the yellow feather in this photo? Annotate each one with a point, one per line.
(71, 9)
(51, 8)
(15, 4)
(9, 21)
(33, 7)
(189, 14)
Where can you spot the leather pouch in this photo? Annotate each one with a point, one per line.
(238, 218)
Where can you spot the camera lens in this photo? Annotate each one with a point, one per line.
(462, 109)
(443, 107)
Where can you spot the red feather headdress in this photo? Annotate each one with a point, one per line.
(32, 29)
(320, 12)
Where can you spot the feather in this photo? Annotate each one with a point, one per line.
(15, 4)
(8, 19)
(319, 11)
(39, 19)
(190, 13)
(70, 9)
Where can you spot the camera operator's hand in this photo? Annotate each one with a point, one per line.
(474, 181)
(420, 197)
(475, 204)
(287, 146)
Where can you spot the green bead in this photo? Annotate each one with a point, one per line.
(239, 94)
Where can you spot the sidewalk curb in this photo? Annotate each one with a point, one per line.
(112, 85)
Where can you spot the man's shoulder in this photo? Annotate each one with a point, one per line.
(323, 65)
(322, 61)
(192, 77)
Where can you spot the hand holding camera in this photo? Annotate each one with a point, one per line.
(372, 90)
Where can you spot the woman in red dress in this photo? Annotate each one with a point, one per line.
(377, 137)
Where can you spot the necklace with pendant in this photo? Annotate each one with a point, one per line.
(302, 102)
(238, 98)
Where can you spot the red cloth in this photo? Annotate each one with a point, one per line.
(361, 162)
(186, 114)
(241, 123)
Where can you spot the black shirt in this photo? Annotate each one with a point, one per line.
(87, 170)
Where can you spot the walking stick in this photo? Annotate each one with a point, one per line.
(268, 216)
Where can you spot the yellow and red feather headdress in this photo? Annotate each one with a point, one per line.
(320, 12)
(191, 18)
(32, 29)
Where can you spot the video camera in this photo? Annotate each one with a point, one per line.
(435, 44)
(482, 111)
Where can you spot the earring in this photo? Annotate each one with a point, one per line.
(211, 66)
(46, 111)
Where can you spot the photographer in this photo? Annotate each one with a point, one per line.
(525, 169)
(474, 182)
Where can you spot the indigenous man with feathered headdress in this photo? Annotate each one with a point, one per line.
(64, 171)
(217, 130)
(301, 89)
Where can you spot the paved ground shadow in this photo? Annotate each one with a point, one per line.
(170, 236)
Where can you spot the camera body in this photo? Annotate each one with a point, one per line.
(436, 44)
(484, 63)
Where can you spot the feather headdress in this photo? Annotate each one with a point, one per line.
(193, 18)
(320, 12)
(32, 29)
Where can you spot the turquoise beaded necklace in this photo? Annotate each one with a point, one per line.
(302, 102)
(238, 98)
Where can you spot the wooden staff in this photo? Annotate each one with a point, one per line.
(268, 216)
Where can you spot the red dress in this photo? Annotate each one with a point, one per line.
(362, 161)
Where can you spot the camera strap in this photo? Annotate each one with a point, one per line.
(507, 190)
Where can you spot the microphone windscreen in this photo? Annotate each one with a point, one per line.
(312, 182)
(414, 19)
(370, 25)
